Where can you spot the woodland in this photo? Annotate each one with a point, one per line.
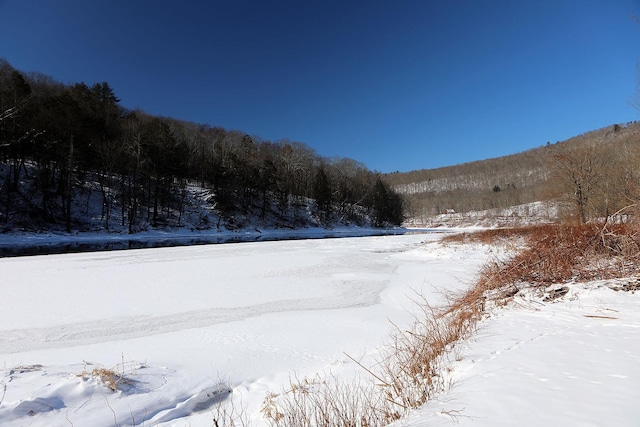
(592, 175)
(62, 145)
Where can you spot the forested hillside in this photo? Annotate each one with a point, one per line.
(593, 174)
(62, 147)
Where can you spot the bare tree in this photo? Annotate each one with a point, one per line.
(580, 172)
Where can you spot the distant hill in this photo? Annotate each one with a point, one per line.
(502, 182)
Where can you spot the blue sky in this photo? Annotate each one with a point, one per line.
(396, 84)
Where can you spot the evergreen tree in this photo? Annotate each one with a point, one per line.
(387, 205)
(322, 194)
(55, 139)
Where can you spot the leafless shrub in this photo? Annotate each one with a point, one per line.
(410, 371)
(330, 401)
(490, 236)
(412, 367)
(3, 384)
(228, 414)
(562, 253)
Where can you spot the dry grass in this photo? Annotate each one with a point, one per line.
(115, 379)
(562, 253)
(411, 370)
(329, 401)
(551, 254)
(491, 236)
(413, 365)
(109, 377)
(224, 412)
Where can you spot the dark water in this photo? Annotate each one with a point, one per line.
(111, 245)
(70, 246)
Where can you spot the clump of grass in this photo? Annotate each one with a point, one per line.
(412, 370)
(115, 379)
(111, 379)
(551, 254)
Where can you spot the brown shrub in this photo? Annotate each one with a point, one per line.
(562, 253)
(412, 365)
(490, 236)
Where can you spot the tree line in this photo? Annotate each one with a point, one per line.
(601, 177)
(55, 138)
(475, 186)
(591, 175)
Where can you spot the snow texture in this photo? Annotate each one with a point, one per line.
(179, 332)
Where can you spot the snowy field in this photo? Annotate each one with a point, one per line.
(572, 362)
(191, 328)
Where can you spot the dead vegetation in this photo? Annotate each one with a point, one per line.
(225, 412)
(411, 370)
(593, 172)
(115, 379)
(329, 401)
(413, 366)
(560, 253)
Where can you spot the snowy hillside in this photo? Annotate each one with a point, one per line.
(544, 174)
(519, 215)
(476, 181)
(98, 209)
(199, 220)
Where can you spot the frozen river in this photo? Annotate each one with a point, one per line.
(251, 313)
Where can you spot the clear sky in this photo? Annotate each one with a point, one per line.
(395, 84)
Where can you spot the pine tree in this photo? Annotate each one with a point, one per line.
(322, 194)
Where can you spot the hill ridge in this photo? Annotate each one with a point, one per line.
(500, 182)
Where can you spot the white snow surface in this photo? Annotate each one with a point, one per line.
(573, 362)
(197, 326)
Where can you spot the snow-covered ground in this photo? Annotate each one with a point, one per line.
(572, 362)
(191, 327)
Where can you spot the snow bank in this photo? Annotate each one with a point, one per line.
(572, 361)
